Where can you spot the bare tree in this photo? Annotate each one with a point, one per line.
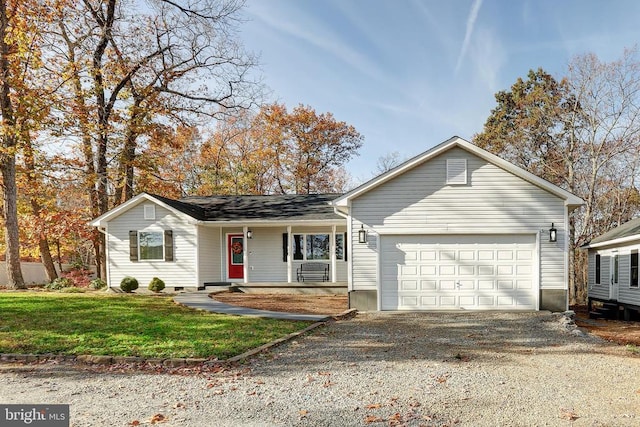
(131, 66)
(387, 162)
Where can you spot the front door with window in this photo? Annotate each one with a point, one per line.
(235, 256)
(614, 270)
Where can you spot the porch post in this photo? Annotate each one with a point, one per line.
(245, 255)
(332, 240)
(289, 257)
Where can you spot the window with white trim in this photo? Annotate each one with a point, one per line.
(598, 270)
(151, 245)
(309, 247)
(633, 274)
(456, 171)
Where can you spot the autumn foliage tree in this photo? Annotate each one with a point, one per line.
(581, 133)
(279, 152)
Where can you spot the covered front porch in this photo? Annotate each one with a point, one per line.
(308, 256)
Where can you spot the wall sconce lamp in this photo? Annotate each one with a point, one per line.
(249, 234)
(362, 235)
(553, 234)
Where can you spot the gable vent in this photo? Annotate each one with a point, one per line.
(149, 211)
(456, 171)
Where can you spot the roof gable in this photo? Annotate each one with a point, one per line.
(570, 199)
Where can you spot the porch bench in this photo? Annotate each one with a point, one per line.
(313, 271)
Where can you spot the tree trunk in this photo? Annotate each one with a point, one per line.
(10, 212)
(8, 161)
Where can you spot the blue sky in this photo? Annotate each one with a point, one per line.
(409, 74)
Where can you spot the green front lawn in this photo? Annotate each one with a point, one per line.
(126, 325)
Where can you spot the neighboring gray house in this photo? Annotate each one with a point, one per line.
(458, 228)
(613, 267)
(238, 239)
(451, 229)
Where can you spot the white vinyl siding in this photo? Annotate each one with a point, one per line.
(209, 254)
(179, 272)
(494, 201)
(624, 293)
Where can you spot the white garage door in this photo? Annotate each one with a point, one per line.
(458, 272)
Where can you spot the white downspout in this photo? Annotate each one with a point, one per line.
(289, 257)
(334, 264)
(107, 268)
(245, 255)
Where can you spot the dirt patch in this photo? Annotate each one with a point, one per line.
(621, 332)
(304, 304)
(618, 331)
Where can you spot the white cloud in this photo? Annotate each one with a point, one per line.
(471, 22)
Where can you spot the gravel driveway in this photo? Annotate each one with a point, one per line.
(466, 369)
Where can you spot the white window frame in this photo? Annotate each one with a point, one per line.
(161, 233)
(637, 284)
(304, 246)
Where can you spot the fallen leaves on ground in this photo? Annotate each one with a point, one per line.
(568, 414)
(158, 418)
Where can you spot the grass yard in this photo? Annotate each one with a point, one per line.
(126, 325)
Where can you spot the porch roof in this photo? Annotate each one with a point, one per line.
(292, 207)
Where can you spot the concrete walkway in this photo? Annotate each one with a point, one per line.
(201, 300)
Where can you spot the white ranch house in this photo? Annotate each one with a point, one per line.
(455, 228)
(613, 271)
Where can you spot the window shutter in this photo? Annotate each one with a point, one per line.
(133, 245)
(345, 246)
(456, 171)
(285, 246)
(168, 245)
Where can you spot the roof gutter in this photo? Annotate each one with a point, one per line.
(627, 239)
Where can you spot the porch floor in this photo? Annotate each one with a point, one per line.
(310, 288)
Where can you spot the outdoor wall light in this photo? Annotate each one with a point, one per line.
(553, 234)
(249, 234)
(362, 235)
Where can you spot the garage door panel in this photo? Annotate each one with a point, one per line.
(409, 285)
(467, 255)
(467, 300)
(486, 270)
(447, 301)
(467, 270)
(447, 255)
(428, 270)
(447, 285)
(486, 284)
(428, 255)
(428, 302)
(524, 284)
(447, 270)
(428, 285)
(458, 272)
(408, 270)
(505, 270)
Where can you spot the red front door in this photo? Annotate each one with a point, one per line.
(235, 256)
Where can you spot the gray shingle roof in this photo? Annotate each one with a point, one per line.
(627, 229)
(297, 207)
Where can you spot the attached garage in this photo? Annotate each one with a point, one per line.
(472, 272)
(458, 228)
